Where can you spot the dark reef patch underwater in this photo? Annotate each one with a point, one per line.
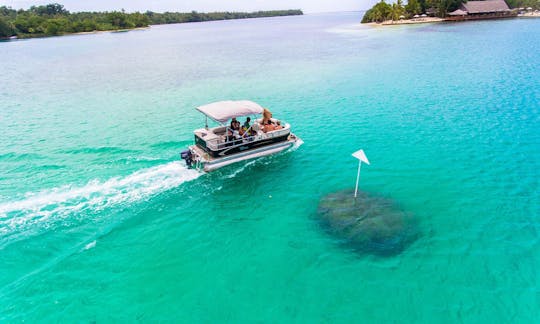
(369, 224)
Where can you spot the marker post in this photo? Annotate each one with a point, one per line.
(361, 156)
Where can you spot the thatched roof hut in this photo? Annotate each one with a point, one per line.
(483, 7)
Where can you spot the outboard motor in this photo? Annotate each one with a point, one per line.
(188, 157)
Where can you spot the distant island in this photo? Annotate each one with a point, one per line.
(418, 11)
(53, 19)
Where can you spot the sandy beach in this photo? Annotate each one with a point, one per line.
(79, 33)
(108, 31)
(422, 20)
(535, 14)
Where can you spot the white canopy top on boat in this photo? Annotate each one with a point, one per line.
(222, 111)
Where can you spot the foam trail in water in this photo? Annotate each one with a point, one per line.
(296, 145)
(94, 196)
(237, 171)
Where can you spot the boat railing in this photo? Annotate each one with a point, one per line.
(217, 144)
(278, 132)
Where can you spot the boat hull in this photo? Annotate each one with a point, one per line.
(246, 145)
(209, 163)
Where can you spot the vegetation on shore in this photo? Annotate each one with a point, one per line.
(534, 4)
(53, 19)
(383, 11)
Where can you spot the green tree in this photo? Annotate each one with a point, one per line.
(6, 28)
(29, 24)
(396, 10)
(413, 7)
(139, 19)
(7, 12)
(51, 9)
(119, 19)
(194, 17)
(443, 7)
(535, 4)
(423, 5)
(88, 25)
(56, 26)
(380, 12)
(54, 19)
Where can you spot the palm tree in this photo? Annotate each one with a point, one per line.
(396, 10)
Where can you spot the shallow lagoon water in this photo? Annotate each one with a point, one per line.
(100, 222)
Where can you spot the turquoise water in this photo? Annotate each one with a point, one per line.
(99, 221)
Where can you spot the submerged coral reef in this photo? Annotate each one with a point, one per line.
(368, 224)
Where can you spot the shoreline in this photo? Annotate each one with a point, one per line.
(107, 31)
(77, 33)
(529, 15)
(426, 20)
(179, 18)
(413, 21)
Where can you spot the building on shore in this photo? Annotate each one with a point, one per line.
(488, 9)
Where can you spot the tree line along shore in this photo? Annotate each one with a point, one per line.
(53, 19)
(383, 11)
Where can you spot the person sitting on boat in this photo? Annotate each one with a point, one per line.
(235, 125)
(249, 134)
(278, 126)
(245, 127)
(268, 127)
(250, 131)
(266, 116)
(255, 128)
(230, 136)
(246, 124)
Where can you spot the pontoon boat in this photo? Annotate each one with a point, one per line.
(222, 145)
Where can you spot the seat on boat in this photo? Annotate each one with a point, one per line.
(219, 130)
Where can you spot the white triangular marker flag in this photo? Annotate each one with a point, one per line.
(360, 155)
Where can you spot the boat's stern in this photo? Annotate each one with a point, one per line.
(187, 156)
(195, 157)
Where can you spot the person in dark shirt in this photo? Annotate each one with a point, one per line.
(269, 126)
(246, 124)
(235, 125)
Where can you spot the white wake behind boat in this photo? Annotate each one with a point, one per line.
(222, 145)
